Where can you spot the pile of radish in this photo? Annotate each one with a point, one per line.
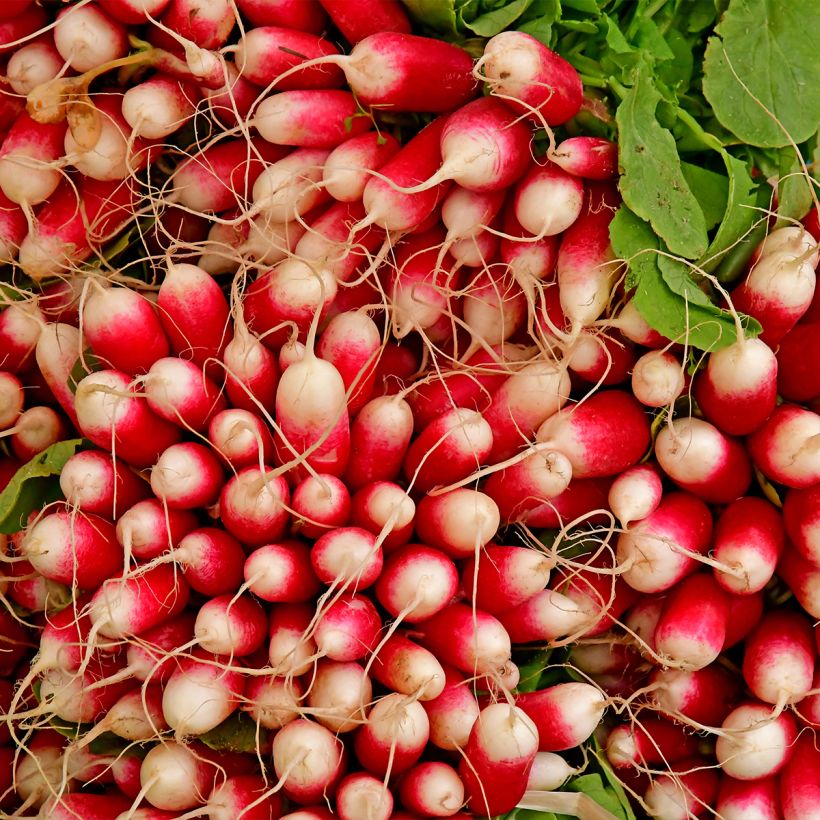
(368, 422)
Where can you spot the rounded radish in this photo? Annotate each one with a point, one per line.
(657, 378)
(340, 695)
(754, 743)
(635, 494)
(178, 391)
(253, 506)
(240, 437)
(362, 795)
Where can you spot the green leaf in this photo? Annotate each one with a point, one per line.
(740, 213)
(592, 785)
(763, 66)
(710, 189)
(612, 780)
(530, 814)
(34, 485)
(652, 183)
(794, 198)
(435, 14)
(531, 671)
(85, 364)
(686, 315)
(489, 24)
(238, 733)
(539, 19)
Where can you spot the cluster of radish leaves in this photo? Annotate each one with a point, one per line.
(715, 105)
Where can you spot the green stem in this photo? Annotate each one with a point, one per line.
(708, 140)
(594, 82)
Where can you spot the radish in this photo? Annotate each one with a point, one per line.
(94, 482)
(340, 695)
(565, 715)
(174, 777)
(802, 520)
(453, 713)
(148, 528)
(266, 52)
(35, 430)
(382, 15)
(135, 12)
(448, 449)
(407, 668)
(527, 74)
(240, 437)
(311, 118)
(232, 102)
(586, 268)
(691, 631)
(503, 577)
(362, 795)
(13, 228)
(799, 788)
(780, 285)
(548, 200)
(432, 789)
(528, 484)
(778, 659)
(635, 494)
(151, 658)
(739, 799)
(308, 760)
(347, 167)
(137, 715)
(273, 702)
(704, 461)
(657, 552)
(194, 313)
(797, 381)
(178, 391)
(546, 616)
(347, 629)
(290, 652)
(29, 167)
(222, 175)
(394, 736)
(33, 64)
(471, 640)
(281, 572)
(87, 37)
(549, 772)
(498, 758)
(417, 582)
(588, 157)
(459, 522)
(603, 435)
(648, 742)
(351, 342)
(73, 548)
(245, 796)
(379, 437)
(231, 625)
(123, 329)
(705, 696)
(748, 538)
(111, 414)
(347, 556)
(582, 499)
(32, 591)
(753, 743)
(737, 390)
(602, 359)
(252, 371)
(186, 476)
(208, 23)
(38, 774)
(494, 307)
(686, 791)
(745, 612)
(253, 506)
(320, 503)
(657, 378)
(131, 606)
(386, 510)
(199, 695)
(785, 448)
(87, 806)
(158, 106)
(288, 188)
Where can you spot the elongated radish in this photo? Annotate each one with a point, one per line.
(95, 482)
(308, 759)
(77, 549)
(340, 695)
(289, 187)
(231, 102)
(346, 170)
(755, 744)
(131, 606)
(472, 641)
(649, 741)
(518, 66)
(407, 668)
(657, 551)
(797, 380)
(204, 22)
(253, 506)
(503, 577)
(187, 475)
(748, 538)
(704, 461)
(582, 499)
(498, 758)
(114, 417)
(87, 37)
(178, 391)
(416, 583)
(703, 695)
(799, 789)
(785, 448)
(320, 503)
(546, 616)
(251, 370)
(87, 806)
(348, 629)
(801, 515)
(29, 172)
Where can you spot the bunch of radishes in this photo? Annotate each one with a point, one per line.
(375, 356)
